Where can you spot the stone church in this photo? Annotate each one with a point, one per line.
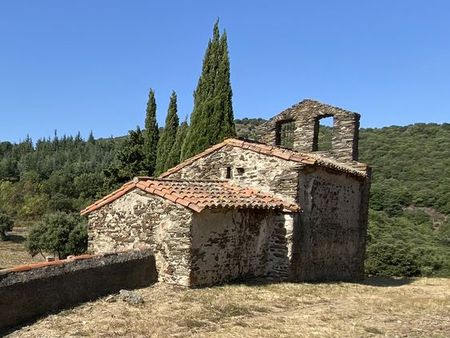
(241, 209)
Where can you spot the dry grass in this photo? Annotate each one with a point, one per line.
(13, 252)
(392, 308)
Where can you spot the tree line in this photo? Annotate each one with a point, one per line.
(54, 178)
(152, 151)
(44, 184)
(409, 217)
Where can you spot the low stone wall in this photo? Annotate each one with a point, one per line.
(29, 291)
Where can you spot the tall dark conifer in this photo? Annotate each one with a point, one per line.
(174, 157)
(151, 134)
(168, 136)
(223, 117)
(130, 159)
(212, 117)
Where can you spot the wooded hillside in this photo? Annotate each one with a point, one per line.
(409, 232)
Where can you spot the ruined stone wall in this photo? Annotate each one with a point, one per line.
(306, 117)
(329, 244)
(248, 168)
(280, 246)
(234, 244)
(140, 220)
(30, 291)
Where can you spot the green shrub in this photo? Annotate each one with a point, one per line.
(6, 224)
(391, 260)
(58, 233)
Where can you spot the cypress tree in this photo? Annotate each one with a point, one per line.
(212, 117)
(174, 157)
(223, 117)
(151, 134)
(168, 136)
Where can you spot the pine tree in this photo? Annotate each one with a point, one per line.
(151, 134)
(132, 156)
(91, 138)
(212, 117)
(168, 136)
(174, 157)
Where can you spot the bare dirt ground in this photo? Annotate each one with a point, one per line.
(378, 307)
(13, 252)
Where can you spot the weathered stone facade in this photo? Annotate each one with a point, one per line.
(306, 117)
(247, 168)
(330, 241)
(191, 249)
(326, 240)
(233, 244)
(141, 221)
(196, 243)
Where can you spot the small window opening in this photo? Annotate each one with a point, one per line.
(240, 171)
(228, 174)
(323, 134)
(285, 134)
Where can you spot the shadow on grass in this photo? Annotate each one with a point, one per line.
(387, 281)
(15, 238)
(369, 281)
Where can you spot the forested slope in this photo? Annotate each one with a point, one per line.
(409, 231)
(409, 228)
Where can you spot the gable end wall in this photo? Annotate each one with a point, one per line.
(248, 168)
(330, 242)
(139, 220)
(306, 116)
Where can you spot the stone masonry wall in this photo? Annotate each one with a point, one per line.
(30, 291)
(140, 220)
(327, 239)
(234, 244)
(248, 168)
(173, 245)
(270, 174)
(279, 258)
(306, 116)
(329, 244)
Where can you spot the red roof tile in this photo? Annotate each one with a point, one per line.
(44, 264)
(358, 169)
(199, 195)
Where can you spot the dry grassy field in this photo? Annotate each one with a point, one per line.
(13, 252)
(379, 307)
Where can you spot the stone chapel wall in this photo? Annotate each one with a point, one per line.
(247, 168)
(235, 244)
(330, 242)
(140, 221)
(305, 117)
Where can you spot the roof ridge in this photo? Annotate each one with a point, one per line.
(159, 179)
(276, 151)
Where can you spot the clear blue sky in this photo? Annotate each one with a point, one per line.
(88, 64)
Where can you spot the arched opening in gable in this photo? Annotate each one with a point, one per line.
(323, 133)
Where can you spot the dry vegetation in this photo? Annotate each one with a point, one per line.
(393, 308)
(13, 252)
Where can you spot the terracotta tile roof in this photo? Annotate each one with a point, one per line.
(31, 266)
(358, 169)
(58, 262)
(199, 195)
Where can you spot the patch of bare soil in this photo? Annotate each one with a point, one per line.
(379, 307)
(13, 252)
